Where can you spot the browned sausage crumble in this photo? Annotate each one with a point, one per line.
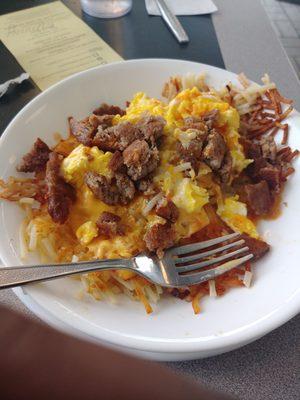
(36, 159)
(106, 109)
(140, 159)
(207, 145)
(60, 194)
(109, 225)
(167, 210)
(214, 151)
(118, 190)
(116, 137)
(266, 174)
(159, 237)
(256, 246)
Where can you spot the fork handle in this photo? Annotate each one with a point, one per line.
(22, 275)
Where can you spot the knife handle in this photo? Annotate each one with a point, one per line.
(172, 21)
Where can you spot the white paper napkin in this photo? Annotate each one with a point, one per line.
(183, 7)
(4, 86)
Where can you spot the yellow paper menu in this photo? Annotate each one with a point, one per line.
(50, 43)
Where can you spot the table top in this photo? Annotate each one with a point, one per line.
(240, 41)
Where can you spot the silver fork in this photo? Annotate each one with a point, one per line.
(176, 269)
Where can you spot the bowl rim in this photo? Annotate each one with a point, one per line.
(238, 338)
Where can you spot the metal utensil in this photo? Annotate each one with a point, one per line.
(177, 267)
(172, 21)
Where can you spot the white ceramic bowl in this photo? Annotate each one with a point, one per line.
(172, 332)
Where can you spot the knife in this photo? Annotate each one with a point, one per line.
(172, 21)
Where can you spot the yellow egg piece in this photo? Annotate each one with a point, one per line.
(83, 159)
(234, 213)
(87, 232)
(189, 196)
(141, 104)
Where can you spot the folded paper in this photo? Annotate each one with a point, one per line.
(51, 43)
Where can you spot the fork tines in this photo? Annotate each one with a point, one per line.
(191, 257)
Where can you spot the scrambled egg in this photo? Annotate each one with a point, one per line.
(187, 103)
(234, 213)
(87, 232)
(189, 196)
(189, 193)
(83, 159)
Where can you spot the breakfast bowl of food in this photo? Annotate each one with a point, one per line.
(141, 156)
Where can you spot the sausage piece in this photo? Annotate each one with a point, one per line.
(84, 130)
(140, 159)
(256, 246)
(106, 109)
(151, 128)
(258, 198)
(215, 150)
(116, 137)
(36, 159)
(119, 190)
(60, 194)
(159, 237)
(167, 210)
(109, 225)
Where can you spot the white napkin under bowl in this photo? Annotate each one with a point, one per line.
(183, 7)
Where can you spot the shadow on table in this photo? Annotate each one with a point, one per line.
(290, 1)
(267, 367)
